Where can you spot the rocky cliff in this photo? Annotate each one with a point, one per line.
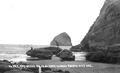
(106, 29)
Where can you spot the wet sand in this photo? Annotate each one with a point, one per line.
(95, 67)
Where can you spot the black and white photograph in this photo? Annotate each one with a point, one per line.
(59, 36)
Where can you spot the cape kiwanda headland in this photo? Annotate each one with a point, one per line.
(103, 39)
(106, 29)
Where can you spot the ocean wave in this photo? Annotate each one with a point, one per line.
(13, 57)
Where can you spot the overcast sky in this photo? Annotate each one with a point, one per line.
(39, 21)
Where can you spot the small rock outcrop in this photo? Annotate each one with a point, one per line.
(66, 55)
(4, 66)
(62, 39)
(43, 53)
(76, 48)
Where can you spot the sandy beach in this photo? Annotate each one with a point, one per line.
(95, 67)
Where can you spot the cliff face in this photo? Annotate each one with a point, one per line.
(106, 29)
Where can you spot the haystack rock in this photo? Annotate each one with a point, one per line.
(106, 29)
(62, 39)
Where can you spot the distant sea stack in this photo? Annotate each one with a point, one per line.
(62, 39)
(106, 29)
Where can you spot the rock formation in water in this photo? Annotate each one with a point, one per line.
(62, 39)
(43, 53)
(76, 48)
(49, 52)
(66, 55)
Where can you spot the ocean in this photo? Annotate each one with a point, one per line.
(13, 53)
(17, 53)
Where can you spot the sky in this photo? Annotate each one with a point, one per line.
(37, 22)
